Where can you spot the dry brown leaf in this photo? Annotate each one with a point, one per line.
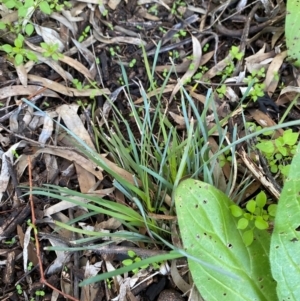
(22, 74)
(113, 3)
(177, 118)
(5, 173)
(50, 36)
(74, 157)
(265, 121)
(158, 91)
(10, 18)
(72, 121)
(118, 40)
(178, 280)
(21, 90)
(50, 62)
(61, 19)
(87, 54)
(199, 97)
(216, 69)
(47, 130)
(277, 34)
(272, 80)
(290, 89)
(91, 292)
(143, 13)
(197, 53)
(259, 60)
(63, 89)
(63, 205)
(76, 65)
(185, 64)
(69, 115)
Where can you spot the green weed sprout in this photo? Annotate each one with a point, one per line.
(221, 91)
(84, 34)
(40, 293)
(133, 258)
(280, 151)
(255, 216)
(257, 91)
(10, 242)
(205, 47)
(18, 53)
(198, 75)
(19, 289)
(30, 265)
(235, 54)
(132, 63)
(51, 51)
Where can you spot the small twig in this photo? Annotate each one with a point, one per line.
(258, 174)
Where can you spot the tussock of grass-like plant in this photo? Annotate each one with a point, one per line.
(158, 158)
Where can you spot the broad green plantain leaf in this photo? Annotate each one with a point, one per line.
(292, 29)
(209, 232)
(285, 249)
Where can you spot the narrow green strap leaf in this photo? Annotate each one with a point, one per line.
(209, 232)
(285, 243)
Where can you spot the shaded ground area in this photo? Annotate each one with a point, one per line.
(96, 65)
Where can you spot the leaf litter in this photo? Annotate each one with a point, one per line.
(195, 52)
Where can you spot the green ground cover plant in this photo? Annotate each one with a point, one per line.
(157, 161)
(156, 170)
(17, 52)
(279, 151)
(207, 222)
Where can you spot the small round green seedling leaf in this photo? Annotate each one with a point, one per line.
(7, 48)
(131, 253)
(272, 209)
(242, 223)
(261, 199)
(29, 28)
(236, 211)
(209, 233)
(266, 146)
(251, 205)
(45, 8)
(290, 138)
(248, 237)
(19, 59)
(127, 262)
(260, 223)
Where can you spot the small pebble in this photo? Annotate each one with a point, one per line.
(169, 295)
